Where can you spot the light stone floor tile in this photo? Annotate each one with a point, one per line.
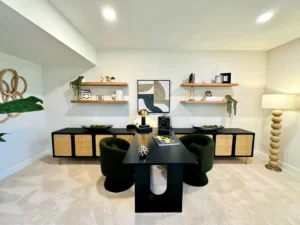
(46, 193)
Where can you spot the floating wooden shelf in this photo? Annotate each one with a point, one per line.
(104, 84)
(203, 102)
(100, 101)
(208, 85)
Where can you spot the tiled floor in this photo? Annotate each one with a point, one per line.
(46, 193)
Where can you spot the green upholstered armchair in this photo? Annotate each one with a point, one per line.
(202, 147)
(119, 177)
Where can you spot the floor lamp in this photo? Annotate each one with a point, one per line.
(277, 102)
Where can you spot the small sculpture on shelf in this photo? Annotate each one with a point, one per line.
(102, 79)
(107, 78)
(112, 79)
(208, 94)
(143, 151)
(113, 96)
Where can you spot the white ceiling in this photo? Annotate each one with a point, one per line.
(20, 37)
(184, 24)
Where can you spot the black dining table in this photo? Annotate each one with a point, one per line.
(173, 157)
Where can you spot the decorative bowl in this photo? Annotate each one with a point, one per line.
(208, 127)
(97, 127)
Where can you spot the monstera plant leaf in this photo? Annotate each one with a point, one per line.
(1, 139)
(21, 105)
(29, 104)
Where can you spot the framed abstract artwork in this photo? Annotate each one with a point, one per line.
(153, 95)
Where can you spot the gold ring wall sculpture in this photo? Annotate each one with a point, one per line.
(9, 91)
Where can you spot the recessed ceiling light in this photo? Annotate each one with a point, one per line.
(265, 17)
(109, 14)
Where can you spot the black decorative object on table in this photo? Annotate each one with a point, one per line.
(174, 157)
(226, 78)
(153, 95)
(164, 125)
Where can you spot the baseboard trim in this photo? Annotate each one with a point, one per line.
(283, 164)
(22, 165)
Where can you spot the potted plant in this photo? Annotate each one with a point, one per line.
(20, 106)
(76, 86)
(112, 79)
(231, 103)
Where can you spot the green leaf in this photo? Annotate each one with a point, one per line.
(1, 139)
(22, 105)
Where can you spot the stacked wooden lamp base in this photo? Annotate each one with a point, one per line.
(275, 141)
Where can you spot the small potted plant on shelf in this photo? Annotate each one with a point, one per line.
(112, 79)
(76, 86)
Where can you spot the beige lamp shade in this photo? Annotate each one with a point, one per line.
(279, 101)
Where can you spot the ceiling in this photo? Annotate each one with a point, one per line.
(21, 38)
(184, 24)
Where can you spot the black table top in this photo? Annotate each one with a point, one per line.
(77, 130)
(158, 155)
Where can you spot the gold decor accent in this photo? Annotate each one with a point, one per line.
(11, 91)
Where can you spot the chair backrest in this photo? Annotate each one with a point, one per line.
(113, 151)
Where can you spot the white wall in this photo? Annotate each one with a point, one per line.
(43, 14)
(248, 69)
(283, 76)
(27, 132)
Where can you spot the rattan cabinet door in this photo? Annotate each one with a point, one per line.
(243, 146)
(62, 145)
(97, 144)
(128, 138)
(223, 145)
(83, 145)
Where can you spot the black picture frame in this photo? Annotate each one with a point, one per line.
(139, 97)
(226, 78)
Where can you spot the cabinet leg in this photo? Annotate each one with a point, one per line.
(59, 161)
(246, 160)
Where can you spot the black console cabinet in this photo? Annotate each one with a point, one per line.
(77, 142)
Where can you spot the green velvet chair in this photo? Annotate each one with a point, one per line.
(119, 177)
(202, 147)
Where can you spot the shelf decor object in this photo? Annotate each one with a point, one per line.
(153, 95)
(277, 102)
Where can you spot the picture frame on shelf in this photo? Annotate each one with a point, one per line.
(226, 78)
(153, 95)
(85, 95)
